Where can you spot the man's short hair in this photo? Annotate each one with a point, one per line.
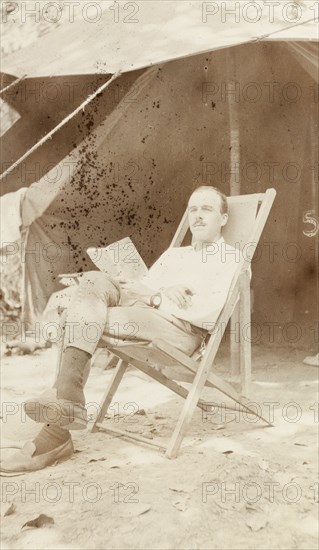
(223, 198)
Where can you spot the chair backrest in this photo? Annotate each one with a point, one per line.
(239, 229)
(242, 216)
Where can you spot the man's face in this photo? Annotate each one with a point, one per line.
(204, 216)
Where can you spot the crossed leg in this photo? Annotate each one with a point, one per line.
(94, 314)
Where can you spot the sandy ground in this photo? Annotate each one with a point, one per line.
(234, 485)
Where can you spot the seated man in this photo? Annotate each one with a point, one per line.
(181, 296)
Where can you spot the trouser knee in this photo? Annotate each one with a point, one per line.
(101, 285)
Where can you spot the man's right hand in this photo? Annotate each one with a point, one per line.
(133, 291)
(181, 295)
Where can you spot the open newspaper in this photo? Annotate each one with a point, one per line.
(119, 259)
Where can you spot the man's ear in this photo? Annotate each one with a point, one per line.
(224, 219)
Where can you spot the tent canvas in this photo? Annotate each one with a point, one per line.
(108, 36)
(152, 137)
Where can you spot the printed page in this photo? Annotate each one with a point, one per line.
(119, 259)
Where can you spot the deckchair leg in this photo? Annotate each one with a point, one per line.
(95, 355)
(58, 362)
(235, 341)
(186, 416)
(109, 393)
(111, 359)
(245, 333)
(60, 345)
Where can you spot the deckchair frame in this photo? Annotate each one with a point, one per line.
(137, 354)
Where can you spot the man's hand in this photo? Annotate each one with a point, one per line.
(134, 291)
(134, 286)
(181, 295)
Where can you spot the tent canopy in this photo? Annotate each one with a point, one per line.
(106, 37)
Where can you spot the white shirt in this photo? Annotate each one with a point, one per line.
(209, 272)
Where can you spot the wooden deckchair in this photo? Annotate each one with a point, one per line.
(247, 217)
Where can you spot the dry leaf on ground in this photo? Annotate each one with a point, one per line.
(12, 508)
(41, 521)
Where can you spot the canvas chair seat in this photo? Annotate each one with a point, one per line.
(247, 217)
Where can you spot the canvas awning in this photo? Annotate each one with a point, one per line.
(125, 36)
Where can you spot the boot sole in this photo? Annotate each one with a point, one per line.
(7, 473)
